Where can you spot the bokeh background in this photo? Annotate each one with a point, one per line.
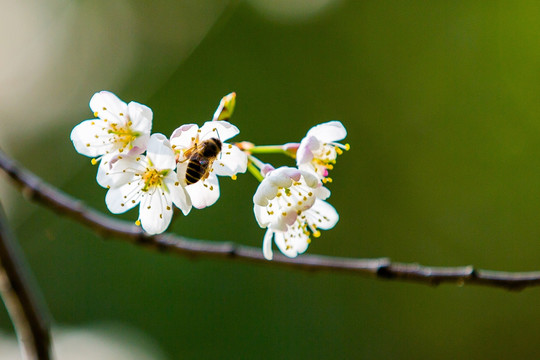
(442, 104)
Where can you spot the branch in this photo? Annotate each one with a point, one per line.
(28, 319)
(37, 190)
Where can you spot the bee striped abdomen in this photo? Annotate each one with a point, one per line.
(196, 169)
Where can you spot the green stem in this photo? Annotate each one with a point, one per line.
(268, 149)
(255, 171)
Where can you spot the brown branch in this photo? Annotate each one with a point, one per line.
(37, 190)
(20, 300)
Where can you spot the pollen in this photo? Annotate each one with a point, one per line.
(317, 233)
(138, 222)
(234, 177)
(347, 147)
(93, 161)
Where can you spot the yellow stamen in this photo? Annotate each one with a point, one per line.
(138, 223)
(93, 161)
(234, 177)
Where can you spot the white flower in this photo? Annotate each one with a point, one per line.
(149, 181)
(231, 160)
(319, 149)
(289, 202)
(118, 128)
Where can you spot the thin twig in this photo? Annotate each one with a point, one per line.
(37, 190)
(26, 313)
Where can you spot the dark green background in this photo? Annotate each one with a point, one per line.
(441, 102)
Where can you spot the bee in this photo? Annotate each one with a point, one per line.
(200, 159)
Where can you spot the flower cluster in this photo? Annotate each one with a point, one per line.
(118, 139)
(159, 173)
(290, 202)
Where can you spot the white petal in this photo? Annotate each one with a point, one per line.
(311, 179)
(221, 130)
(139, 144)
(118, 170)
(279, 239)
(325, 214)
(123, 198)
(184, 136)
(265, 191)
(328, 132)
(297, 241)
(181, 169)
(179, 195)
(155, 212)
(304, 154)
(267, 245)
(283, 176)
(103, 177)
(322, 193)
(109, 106)
(204, 193)
(141, 117)
(91, 138)
(230, 161)
(262, 217)
(160, 152)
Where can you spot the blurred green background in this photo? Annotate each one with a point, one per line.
(441, 102)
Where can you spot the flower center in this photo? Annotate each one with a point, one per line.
(153, 178)
(123, 135)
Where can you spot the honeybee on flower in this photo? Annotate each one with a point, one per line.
(202, 154)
